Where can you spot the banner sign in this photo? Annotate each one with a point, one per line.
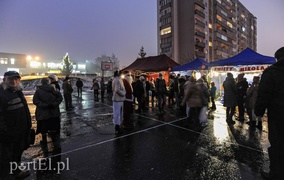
(240, 68)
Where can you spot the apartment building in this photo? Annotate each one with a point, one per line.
(208, 29)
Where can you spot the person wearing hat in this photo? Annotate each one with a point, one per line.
(47, 113)
(54, 81)
(270, 97)
(230, 97)
(15, 125)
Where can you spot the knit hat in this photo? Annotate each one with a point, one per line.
(12, 74)
(45, 81)
(53, 77)
(126, 73)
(279, 54)
(230, 74)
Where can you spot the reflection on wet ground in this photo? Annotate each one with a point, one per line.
(158, 147)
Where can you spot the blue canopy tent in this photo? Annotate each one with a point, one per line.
(246, 57)
(196, 64)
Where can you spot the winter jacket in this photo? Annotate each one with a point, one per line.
(79, 83)
(118, 90)
(194, 95)
(139, 89)
(242, 87)
(230, 92)
(67, 87)
(161, 86)
(251, 95)
(47, 102)
(15, 119)
(270, 93)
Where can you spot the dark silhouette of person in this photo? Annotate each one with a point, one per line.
(270, 97)
(79, 85)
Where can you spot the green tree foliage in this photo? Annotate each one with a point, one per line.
(67, 65)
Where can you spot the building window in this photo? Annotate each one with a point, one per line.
(166, 31)
(12, 60)
(229, 24)
(3, 61)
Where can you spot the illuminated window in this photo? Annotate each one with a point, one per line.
(81, 66)
(243, 16)
(166, 31)
(224, 13)
(224, 38)
(229, 24)
(35, 64)
(219, 18)
(210, 25)
(252, 27)
(12, 60)
(3, 61)
(210, 43)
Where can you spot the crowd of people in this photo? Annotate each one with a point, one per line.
(186, 93)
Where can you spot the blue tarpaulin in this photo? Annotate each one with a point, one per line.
(246, 57)
(196, 64)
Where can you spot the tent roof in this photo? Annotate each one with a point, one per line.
(196, 64)
(152, 64)
(246, 57)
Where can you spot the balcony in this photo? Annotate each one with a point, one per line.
(201, 34)
(200, 44)
(199, 4)
(201, 14)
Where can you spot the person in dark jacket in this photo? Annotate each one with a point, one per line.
(140, 92)
(67, 93)
(54, 81)
(242, 86)
(161, 91)
(103, 88)
(47, 101)
(213, 96)
(230, 97)
(79, 85)
(15, 125)
(270, 97)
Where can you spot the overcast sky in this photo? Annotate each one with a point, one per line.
(87, 29)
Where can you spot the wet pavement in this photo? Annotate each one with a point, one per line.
(163, 146)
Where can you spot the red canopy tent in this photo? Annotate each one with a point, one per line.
(152, 64)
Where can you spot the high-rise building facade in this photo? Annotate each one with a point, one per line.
(208, 29)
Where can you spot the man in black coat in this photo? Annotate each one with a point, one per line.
(15, 124)
(242, 86)
(271, 97)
